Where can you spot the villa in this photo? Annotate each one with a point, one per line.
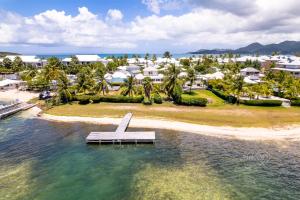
(28, 60)
(291, 66)
(85, 59)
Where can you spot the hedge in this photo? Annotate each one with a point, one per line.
(147, 102)
(295, 103)
(157, 98)
(83, 99)
(219, 93)
(117, 99)
(193, 101)
(267, 103)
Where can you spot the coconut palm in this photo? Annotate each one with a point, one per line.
(191, 77)
(171, 79)
(129, 86)
(102, 84)
(85, 81)
(148, 87)
(52, 70)
(63, 91)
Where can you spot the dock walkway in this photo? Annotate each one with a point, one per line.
(120, 135)
(14, 108)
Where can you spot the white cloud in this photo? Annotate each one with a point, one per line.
(203, 27)
(152, 5)
(114, 15)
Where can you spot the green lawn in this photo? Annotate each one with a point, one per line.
(216, 113)
(212, 98)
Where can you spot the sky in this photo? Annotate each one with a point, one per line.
(140, 26)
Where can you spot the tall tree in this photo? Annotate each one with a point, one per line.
(7, 63)
(171, 79)
(17, 64)
(191, 77)
(52, 70)
(101, 83)
(64, 94)
(85, 81)
(148, 87)
(129, 86)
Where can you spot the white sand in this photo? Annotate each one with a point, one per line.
(284, 134)
(13, 95)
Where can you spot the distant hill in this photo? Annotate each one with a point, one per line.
(2, 54)
(286, 47)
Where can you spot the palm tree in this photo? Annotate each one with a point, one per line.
(52, 69)
(129, 86)
(171, 79)
(63, 91)
(191, 77)
(147, 58)
(153, 58)
(102, 84)
(148, 87)
(167, 55)
(85, 81)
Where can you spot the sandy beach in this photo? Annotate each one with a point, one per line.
(291, 133)
(13, 95)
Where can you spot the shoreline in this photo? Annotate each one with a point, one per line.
(290, 133)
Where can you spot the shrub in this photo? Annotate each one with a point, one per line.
(193, 101)
(147, 101)
(117, 99)
(267, 103)
(157, 98)
(228, 98)
(83, 99)
(96, 99)
(295, 103)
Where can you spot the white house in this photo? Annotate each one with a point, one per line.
(86, 59)
(249, 71)
(119, 76)
(28, 60)
(293, 67)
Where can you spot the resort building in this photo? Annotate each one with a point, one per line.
(290, 66)
(249, 71)
(85, 59)
(28, 60)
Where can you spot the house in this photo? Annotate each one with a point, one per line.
(29, 60)
(85, 59)
(153, 73)
(250, 71)
(290, 66)
(119, 76)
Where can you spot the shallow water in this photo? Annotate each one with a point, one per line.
(49, 160)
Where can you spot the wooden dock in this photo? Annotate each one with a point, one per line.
(120, 135)
(14, 108)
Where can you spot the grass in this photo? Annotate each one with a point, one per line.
(212, 98)
(217, 113)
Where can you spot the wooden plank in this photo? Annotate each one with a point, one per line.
(124, 123)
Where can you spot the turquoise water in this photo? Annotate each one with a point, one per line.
(130, 55)
(47, 160)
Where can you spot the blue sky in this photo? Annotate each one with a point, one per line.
(139, 26)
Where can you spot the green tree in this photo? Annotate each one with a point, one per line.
(74, 65)
(101, 84)
(154, 58)
(17, 64)
(129, 86)
(171, 80)
(111, 66)
(64, 94)
(52, 70)
(7, 63)
(85, 81)
(148, 87)
(191, 77)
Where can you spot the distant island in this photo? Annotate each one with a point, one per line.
(286, 47)
(3, 54)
